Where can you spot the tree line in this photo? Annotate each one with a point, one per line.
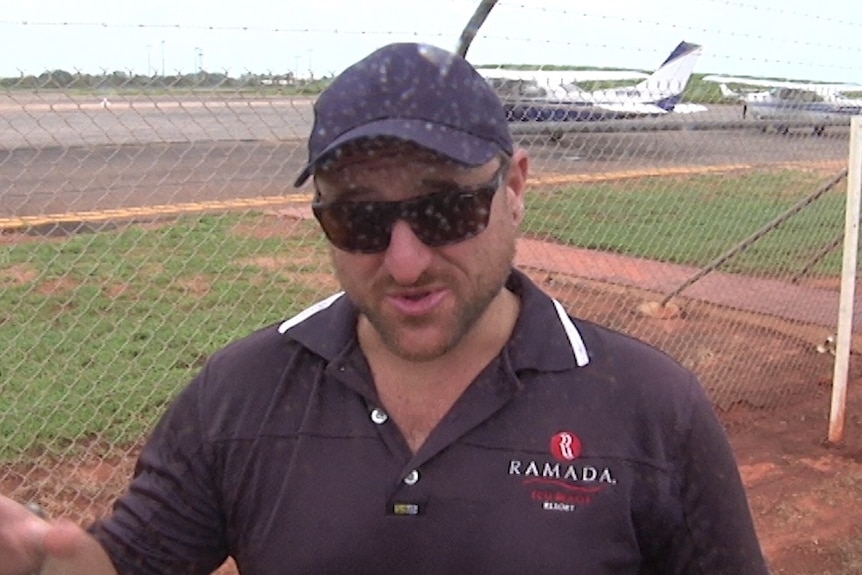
(64, 80)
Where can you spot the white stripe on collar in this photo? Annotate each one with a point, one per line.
(308, 312)
(582, 358)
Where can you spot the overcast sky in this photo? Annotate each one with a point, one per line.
(797, 39)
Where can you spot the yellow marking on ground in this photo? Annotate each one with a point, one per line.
(551, 179)
(541, 179)
(150, 211)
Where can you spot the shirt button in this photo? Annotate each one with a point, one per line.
(412, 478)
(378, 416)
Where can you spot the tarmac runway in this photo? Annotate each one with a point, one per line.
(61, 155)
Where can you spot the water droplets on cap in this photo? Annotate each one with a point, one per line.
(437, 56)
(383, 71)
(408, 93)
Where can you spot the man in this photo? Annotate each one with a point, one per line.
(442, 414)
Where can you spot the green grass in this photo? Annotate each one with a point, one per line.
(116, 322)
(692, 220)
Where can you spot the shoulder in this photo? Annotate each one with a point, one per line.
(550, 340)
(615, 352)
(638, 371)
(235, 385)
(652, 395)
(270, 369)
(250, 357)
(316, 334)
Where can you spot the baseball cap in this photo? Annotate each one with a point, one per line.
(414, 92)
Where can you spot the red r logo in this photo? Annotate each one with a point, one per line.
(565, 446)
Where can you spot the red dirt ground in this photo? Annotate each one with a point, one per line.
(805, 494)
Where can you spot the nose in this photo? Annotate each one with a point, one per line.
(406, 258)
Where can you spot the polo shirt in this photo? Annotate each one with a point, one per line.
(577, 450)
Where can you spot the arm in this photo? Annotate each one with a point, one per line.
(170, 520)
(28, 543)
(719, 535)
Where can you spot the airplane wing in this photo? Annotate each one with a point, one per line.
(560, 77)
(689, 108)
(602, 75)
(647, 109)
(757, 82)
(818, 87)
(632, 108)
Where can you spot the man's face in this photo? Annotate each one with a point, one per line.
(421, 300)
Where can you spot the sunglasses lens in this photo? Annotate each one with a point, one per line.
(447, 218)
(356, 226)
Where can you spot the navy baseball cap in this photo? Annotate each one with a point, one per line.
(413, 92)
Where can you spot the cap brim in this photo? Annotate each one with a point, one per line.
(459, 146)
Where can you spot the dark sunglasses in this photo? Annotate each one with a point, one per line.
(449, 216)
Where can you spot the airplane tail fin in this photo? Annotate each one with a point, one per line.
(668, 82)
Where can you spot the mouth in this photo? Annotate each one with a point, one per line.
(415, 296)
(419, 302)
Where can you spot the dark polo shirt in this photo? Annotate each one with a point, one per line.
(578, 450)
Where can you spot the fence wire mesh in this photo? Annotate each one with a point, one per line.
(149, 219)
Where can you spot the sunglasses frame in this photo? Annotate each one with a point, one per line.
(446, 208)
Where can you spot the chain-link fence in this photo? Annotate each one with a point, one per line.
(147, 220)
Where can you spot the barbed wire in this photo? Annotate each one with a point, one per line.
(730, 3)
(716, 56)
(205, 27)
(805, 15)
(832, 65)
(693, 29)
(415, 33)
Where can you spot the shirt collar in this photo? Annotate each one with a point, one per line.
(545, 337)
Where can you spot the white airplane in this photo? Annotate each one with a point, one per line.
(554, 96)
(786, 100)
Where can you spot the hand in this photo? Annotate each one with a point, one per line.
(22, 536)
(29, 543)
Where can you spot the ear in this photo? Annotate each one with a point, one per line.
(516, 184)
